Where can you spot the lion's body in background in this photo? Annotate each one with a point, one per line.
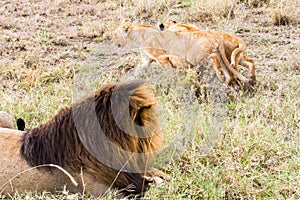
(234, 46)
(178, 49)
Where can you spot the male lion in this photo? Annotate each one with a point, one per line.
(234, 47)
(105, 140)
(173, 48)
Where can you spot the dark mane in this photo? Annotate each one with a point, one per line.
(100, 134)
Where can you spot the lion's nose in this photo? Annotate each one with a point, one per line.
(118, 45)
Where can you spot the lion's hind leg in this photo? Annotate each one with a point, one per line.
(222, 65)
(163, 60)
(236, 54)
(179, 62)
(168, 60)
(219, 68)
(249, 63)
(231, 69)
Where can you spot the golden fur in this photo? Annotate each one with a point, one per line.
(234, 46)
(174, 26)
(172, 48)
(149, 53)
(110, 136)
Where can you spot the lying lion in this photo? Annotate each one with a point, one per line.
(106, 140)
(149, 53)
(170, 48)
(234, 47)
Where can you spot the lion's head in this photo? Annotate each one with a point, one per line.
(136, 35)
(167, 24)
(120, 34)
(172, 25)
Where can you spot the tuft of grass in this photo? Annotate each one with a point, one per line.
(204, 11)
(281, 19)
(255, 3)
(284, 12)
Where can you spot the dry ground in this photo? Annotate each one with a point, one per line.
(254, 132)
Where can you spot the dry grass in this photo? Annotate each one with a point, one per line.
(245, 140)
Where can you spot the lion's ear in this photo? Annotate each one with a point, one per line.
(126, 24)
(162, 27)
(126, 20)
(142, 116)
(126, 28)
(171, 21)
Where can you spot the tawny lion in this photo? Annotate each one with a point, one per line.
(234, 46)
(173, 48)
(149, 53)
(106, 140)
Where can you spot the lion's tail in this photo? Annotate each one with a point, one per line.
(227, 65)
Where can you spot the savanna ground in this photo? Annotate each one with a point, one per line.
(245, 141)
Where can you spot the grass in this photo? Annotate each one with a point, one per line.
(244, 146)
